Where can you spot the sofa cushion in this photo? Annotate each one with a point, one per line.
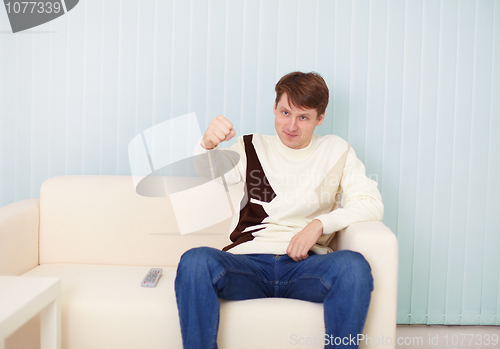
(103, 306)
(102, 220)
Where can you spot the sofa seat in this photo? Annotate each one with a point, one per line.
(109, 291)
(114, 293)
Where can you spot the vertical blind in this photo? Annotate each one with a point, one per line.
(414, 87)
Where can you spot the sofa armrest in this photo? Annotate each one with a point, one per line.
(19, 224)
(379, 246)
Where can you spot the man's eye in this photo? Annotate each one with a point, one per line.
(285, 112)
(303, 117)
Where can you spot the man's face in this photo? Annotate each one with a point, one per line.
(294, 126)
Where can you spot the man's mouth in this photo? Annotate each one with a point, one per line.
(288, 134)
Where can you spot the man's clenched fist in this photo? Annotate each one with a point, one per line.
(220, 129)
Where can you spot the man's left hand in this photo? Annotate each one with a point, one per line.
(304, 240)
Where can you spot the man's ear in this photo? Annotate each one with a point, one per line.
(320, 120)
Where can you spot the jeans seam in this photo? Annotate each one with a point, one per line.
(276, 274)
(319, 277)
(215, 330)
(326, 324)
(224, 272)
(217, 278)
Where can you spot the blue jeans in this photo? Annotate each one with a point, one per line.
(341, 280)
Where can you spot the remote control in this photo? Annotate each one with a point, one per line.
(152, 277)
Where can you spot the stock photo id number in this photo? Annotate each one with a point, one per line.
(29, 14)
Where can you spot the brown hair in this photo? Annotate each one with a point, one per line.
(304, 90)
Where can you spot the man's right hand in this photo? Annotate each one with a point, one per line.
(220, 129)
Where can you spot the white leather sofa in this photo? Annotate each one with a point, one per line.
(100, 237)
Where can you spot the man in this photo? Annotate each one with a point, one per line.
(292, 184)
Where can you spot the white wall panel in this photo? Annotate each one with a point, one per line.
(441, 198)
(393, 111)
(163, 35)
(325, 54)
(75, 103)
(288, 29)
(461, 162)
(57, 86)
(478, 170)
(358, 76)
(409, 153)
(306, 34)
(425, 159)
(145, 65)
(23, 114)
(339, 94)
(109, 86)
(250, 66)
(38, 155)
(376, 87)
(92, 90)
(233, 77)
(267, 52)
(8, 70)
(490, 305)
(414, 87)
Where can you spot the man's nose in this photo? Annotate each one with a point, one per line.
(292, 125)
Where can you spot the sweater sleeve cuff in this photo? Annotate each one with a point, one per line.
(356, 211)
(200, 150)
(332, 222)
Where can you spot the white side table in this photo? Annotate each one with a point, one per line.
(21, 298)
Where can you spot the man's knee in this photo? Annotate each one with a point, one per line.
(196, 254)
(355, 268)
(355, 260)
(196, 258)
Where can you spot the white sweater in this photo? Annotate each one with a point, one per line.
(287, 188)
